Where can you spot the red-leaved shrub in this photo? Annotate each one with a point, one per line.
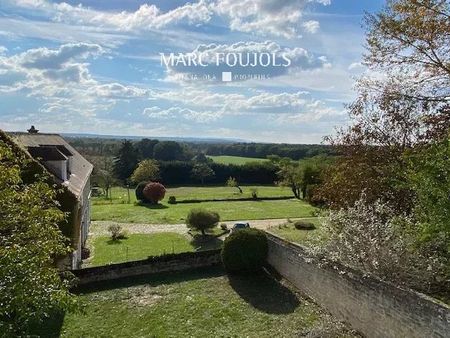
(154, 192)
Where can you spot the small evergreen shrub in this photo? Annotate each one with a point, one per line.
(302, 225)
(140, 191)
(245, 251)
(154, 192)
(172, 200)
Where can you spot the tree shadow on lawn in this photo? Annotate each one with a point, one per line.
(205, 242)
(50, 327)
(151, 279)
(152, 206)
(264, 292)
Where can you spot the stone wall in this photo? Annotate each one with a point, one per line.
(166, 263)
(373, 307)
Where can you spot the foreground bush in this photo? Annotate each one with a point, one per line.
(372, 238)
(201, 219)
(154, 192)
(245, 250)
(139, 191)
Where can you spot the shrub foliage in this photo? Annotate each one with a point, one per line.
(154, 192)
(139, 191)
(201, 219)
(245, 250)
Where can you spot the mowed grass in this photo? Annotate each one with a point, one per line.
(238, 160)
(137, 246)
(203, 303)
(120, 194)
(316, 237)
(176, 213)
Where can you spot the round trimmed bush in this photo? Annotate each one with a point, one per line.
(172, 200)
(302, 225)
(245, 250)
(154, 192)
(139, 191)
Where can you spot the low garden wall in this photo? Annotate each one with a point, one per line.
(166, 263)
(373, 307)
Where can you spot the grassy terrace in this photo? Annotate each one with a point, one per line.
(119, 210)
(194, 304)
(120, 195)
(138, 246)
(239, 160)
(172, 214)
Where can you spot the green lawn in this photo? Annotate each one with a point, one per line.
(137, 246)
(176, 213)
(239, 160)
(120, 195)
(305, 237)
(204, 303)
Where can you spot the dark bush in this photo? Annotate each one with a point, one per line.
(201, 219)
(154, 192)
(172, 200)
(245, 251)
(85, 253)
(302, 225)
(139, 191)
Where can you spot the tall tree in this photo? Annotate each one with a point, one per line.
(30, 240)
(168, 151)
(145, 148)
(202, 172)
(147, 170)
(126, 160)
(409, 44)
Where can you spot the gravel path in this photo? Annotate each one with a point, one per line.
(100, 228)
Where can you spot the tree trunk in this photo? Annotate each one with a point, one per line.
(296, 191)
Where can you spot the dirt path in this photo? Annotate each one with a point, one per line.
(100, 228)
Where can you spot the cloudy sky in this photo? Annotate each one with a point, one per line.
(95, 67)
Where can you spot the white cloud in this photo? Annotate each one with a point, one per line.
(311, 26)
(3, 50)
(262, 17)
(144, 18)
(183, 113)
(279, 18)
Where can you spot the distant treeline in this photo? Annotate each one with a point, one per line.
(179, 173)
(262, 150)
(182, 151)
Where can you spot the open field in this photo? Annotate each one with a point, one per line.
(204, 303)
(176, 213)
(137, 246)
(120, 195)
(238, 160)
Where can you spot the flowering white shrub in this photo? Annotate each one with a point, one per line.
(371, 238)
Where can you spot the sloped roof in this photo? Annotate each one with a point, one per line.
(47, 153)
(55, 147)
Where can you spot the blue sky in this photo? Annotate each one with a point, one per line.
(95, 67)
